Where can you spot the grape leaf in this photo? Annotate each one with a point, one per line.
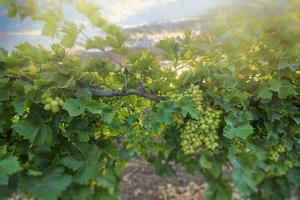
(70, 34)
(8, 166)
(74, 107)
(47, 187)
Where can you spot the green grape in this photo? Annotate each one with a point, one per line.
(97, 134)
(275, 152)
(49, 100)
(15, 119)
(201, 133)
(119, 106)
(288, 163)
(60, 102)
(50, 103)
(54, 103)
(55, 109)
(47, 107)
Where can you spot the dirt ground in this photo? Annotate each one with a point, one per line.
(141, 183)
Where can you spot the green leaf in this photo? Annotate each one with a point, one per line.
(296, 118)
(51, 17)
(84, 135)
(4, 94)
(83, 93)
(3, 81)
(107, 115)
(70, 31)
(241, 174)
(219, 190)
(95, 43)
(205, 162)
(49, 29)
(91, 165)
(37, 134)
(19, 105)
(8, 166)
(187, 106)
(47, 187)
(71, 163)
(274, 85)
(164, 112)
(265, 93)
(164, 169)
(44, 136)
(238, 125)
(107, 180)
(242, 131)
(92, 12)
(73, 107)
(27, 128)
(230, 83)
(286, 90)
(1, 125)
(292, 65)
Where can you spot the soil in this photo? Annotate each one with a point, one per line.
(140, 182)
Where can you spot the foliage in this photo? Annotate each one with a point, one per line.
(68, 125)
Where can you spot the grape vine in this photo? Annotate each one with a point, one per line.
(226, 105)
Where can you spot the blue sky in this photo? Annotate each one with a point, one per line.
(125, 13)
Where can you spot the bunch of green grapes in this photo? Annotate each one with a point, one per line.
(115, 103)
(99, 128)
(91, 78)
(240, 146)
(119, 106)
(289, 164)
(177, 120)
(15, 119)
(274, 171)
(50, 103)
(194, 93)
(275, 152)
(203, 132)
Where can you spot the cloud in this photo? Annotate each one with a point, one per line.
(21, 33)
(122, 9)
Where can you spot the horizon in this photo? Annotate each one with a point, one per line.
(125, 13)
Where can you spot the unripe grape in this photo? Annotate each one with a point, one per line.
(54, 103)
(60, 102)
(55, 109)
(15, 119)
(47, 107)
(196, 134)
(49, 99)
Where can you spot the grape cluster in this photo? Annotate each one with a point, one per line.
(15, 119)
(239, 146)
(177, 120)
(119, 106)
(289, 164)
(200, 133)
(93, 184)
(99, 128)
(275, 152)
(194, 93)
(115, 103)
(51, 104)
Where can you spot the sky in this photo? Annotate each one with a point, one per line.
(126, 13)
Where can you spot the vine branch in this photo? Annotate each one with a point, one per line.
(121, 93)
